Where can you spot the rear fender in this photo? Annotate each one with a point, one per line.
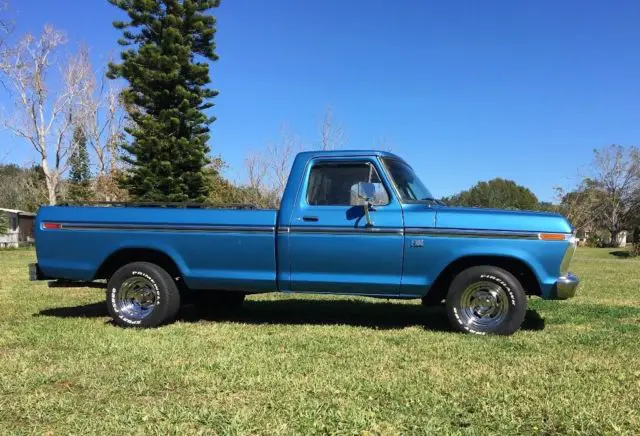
(159, 247)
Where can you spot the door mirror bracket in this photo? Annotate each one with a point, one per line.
(366, 193)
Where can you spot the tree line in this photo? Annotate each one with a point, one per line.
(605, 202)
(139, 128)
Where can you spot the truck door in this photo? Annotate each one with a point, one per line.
(331, 246)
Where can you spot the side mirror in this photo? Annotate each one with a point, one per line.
(366, 191)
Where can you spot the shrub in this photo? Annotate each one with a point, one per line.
(595, 240)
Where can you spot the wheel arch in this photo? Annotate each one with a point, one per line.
(126, 255)
(521, 270)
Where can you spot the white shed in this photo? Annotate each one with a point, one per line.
(19, 230)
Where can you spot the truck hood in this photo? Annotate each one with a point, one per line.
(497, 219)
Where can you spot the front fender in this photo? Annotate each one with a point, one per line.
(424, 265)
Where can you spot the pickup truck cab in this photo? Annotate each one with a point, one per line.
(350, 222)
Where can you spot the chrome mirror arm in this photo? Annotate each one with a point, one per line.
(367, 207)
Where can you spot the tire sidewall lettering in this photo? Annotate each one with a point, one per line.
(504, 282)
(464, 326)
(114, 291)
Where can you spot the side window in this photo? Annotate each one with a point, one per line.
(337, 184)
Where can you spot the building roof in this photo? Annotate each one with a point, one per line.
(17, 212)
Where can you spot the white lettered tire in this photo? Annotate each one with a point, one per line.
(486, 300)
(142, 294)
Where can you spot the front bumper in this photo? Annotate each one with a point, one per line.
(566, 287)
(567, 284)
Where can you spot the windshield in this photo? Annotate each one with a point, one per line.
(409, 186)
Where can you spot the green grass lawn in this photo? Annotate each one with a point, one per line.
(317, 365)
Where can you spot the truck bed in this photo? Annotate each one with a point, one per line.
(212, 248)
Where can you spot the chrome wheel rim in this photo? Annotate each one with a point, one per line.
(483, 305)
(136, 298)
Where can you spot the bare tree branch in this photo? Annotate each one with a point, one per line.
(268, 171)
(383, 144)
(104, 121)
(609, 196)
(281, 155)
(44, 118)
(332, 135)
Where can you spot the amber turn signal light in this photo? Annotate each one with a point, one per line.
(551, 236)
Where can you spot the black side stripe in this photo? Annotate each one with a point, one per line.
(466, 233)
(383, 231)
(413, 231)
(326, 230)
(168, 228)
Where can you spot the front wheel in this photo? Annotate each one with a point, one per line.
(142, 294)
(486, 300)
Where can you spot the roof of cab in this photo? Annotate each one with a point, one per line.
(347, 153)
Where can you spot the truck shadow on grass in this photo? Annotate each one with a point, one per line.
(621, 254)
(354, 313)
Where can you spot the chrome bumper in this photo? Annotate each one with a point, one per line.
(567, 283)
(566, 286)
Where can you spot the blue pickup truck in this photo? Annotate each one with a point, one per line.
(350, 222)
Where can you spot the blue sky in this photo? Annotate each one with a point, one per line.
(464, 90)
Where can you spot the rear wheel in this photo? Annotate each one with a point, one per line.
(142, 294)
(486, 300)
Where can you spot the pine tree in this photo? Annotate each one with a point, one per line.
(79, 171)
(169, 43)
